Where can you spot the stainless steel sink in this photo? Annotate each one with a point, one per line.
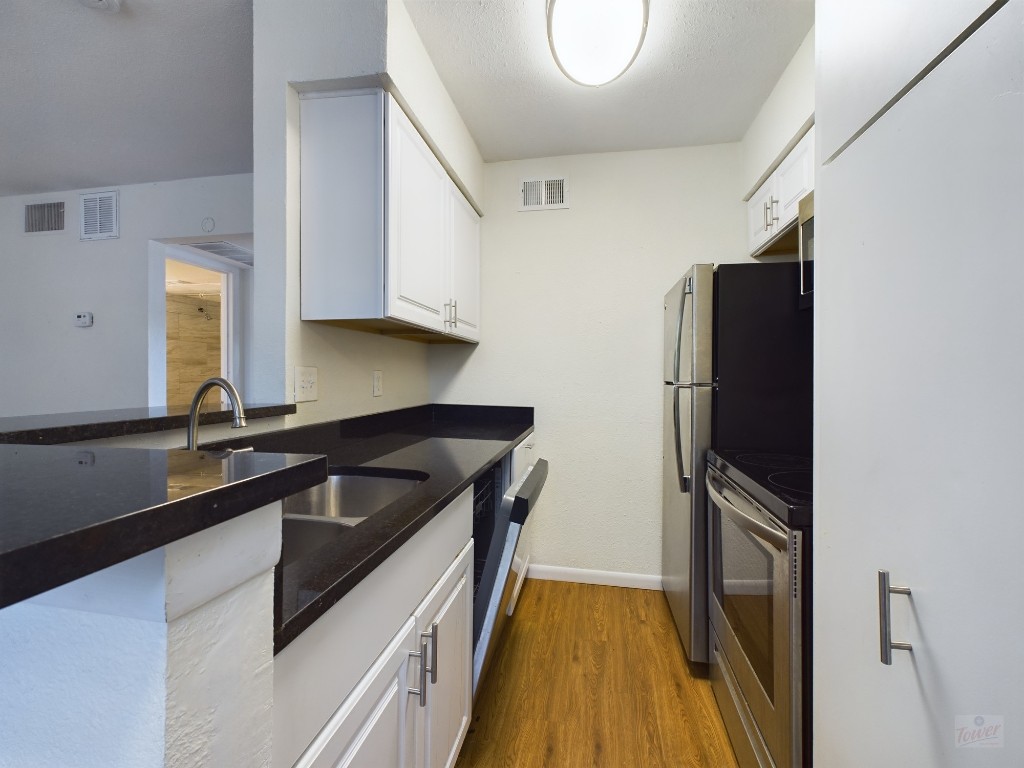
(350, 496)
(323, 513)
(303, 534)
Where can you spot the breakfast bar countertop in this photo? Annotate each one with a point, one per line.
(69, 511)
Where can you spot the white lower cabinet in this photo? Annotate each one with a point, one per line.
(445, 622)
(384, 720)
(373, 728)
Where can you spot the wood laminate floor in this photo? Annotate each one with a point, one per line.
(593, 676)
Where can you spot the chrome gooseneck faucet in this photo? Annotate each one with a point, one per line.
(193, 413)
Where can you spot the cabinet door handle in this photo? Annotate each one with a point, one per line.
(432, 636)
(422, 690)
(455, 313)
(448, 313)
(885, 643)
(764, 214)
(773, 217)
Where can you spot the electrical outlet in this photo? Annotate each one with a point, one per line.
(378, 383)
(305, 384)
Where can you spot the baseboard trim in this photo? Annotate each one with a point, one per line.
(589, 576)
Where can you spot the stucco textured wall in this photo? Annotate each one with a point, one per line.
(572, 319)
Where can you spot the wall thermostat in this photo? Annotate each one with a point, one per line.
(83, 320)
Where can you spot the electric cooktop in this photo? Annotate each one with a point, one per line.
(779, 482)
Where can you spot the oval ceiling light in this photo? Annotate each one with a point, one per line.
(595, 41)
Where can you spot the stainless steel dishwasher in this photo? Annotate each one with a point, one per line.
(504, 535)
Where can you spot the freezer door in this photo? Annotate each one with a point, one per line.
(686, 437)
(688, 331)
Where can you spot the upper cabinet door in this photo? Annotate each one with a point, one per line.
(759, 216)
(465, 269)
(795, 178)
(867, 51)
(417, 263)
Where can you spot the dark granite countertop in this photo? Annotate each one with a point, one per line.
(452, 445)
(68, 511)
(55, 428)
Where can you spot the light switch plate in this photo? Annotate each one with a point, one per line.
(305, 384)
(378, 383)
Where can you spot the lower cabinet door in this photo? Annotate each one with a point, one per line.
(445, 620)
(374, 727)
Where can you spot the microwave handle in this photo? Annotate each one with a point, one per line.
(776, 539)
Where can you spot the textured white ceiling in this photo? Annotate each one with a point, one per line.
(704, 71)
(161, 90)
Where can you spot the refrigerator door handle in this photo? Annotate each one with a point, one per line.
(684, 479)
(679, 330)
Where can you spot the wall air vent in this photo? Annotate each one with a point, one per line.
(44, 217)
(542, 194)
(99, 216)
(227, 250)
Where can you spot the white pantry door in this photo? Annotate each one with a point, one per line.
(919, 419)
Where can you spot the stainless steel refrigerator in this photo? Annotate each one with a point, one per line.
(686, 439)
(738, 370)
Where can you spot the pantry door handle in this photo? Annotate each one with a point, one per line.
(885, 642)
(432, 637)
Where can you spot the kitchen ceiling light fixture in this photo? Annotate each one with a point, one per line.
(595, 41)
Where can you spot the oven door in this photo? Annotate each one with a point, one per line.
(755, 614)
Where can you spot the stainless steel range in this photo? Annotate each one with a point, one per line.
(759, 506)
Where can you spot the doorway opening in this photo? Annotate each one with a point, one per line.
(200, 315)
(196, 329)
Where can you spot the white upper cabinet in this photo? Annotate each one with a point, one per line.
(867, 51)
(773, 209)
(388, 241)
(416, 204)
(464, 314)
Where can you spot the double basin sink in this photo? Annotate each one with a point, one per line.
(323, 513)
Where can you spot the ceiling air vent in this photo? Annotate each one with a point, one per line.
(99, 215)
(44, 217)
(542, 194)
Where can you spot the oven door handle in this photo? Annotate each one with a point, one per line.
(775, 538)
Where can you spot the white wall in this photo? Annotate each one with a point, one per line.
(784, 117)
(418, 88)
(49, 366)
(572, 303)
